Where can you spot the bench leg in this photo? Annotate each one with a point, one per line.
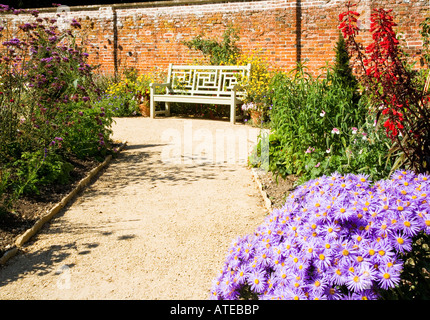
(152, 105)
(167, 109)
(233, 113)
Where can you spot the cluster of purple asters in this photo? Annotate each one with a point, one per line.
(336, 237)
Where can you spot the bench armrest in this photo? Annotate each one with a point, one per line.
(161, 85)
(154, 85)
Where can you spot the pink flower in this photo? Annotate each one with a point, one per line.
(335, 130)
(354, 130)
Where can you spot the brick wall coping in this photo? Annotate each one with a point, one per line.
(152, 4)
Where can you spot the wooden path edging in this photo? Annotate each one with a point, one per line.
(23, 238)
(267, 201)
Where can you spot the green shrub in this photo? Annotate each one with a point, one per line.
(320, 125)
(218, 53)
(47, 112)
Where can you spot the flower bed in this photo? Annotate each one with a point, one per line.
(336, 237)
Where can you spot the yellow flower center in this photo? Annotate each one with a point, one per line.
(371, 252)
(322, 257)
(345, 252)
(400, 240)
(356, 279)
(386, 275)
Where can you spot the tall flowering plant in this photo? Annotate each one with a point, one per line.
(337, 237)
(399, 100)
(47, 92)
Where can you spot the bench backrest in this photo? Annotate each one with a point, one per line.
(206, 80)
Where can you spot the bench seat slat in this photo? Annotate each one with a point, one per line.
(194, 99)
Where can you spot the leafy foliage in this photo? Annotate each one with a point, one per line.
(398, 98)
(218, 53)
(320, 125)
(47, 114)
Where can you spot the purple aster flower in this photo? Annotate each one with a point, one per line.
(366, 295)
(400, 242)
(309, 238)
(408, 224)
(257, 280)
(388, 277)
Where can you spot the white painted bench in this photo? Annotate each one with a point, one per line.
(201, 84)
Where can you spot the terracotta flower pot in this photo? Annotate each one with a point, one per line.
(144, 109)
(256, 116)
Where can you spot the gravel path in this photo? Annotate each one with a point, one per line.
(156, 224)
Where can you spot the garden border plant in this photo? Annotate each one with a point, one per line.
(51, 212)
(47, 112)
(336, 237)
(340, 236)
(397, 93)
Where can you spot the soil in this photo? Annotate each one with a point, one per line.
(25, 212)
(276, 188)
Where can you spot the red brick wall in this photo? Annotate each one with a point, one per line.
(149, 35)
